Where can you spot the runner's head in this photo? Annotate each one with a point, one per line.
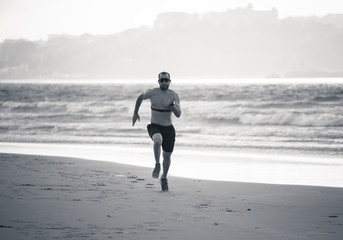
(164, 80)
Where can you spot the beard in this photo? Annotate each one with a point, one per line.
(164, 87)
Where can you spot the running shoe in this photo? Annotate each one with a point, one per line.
(157, 170)
(164, 184)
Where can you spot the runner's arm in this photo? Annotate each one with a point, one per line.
(136, 116)
(145, 95)
(175, 106)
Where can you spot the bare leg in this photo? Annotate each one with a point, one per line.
(166, 163)
(157, 138)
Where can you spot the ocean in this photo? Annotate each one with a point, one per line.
(297, 116)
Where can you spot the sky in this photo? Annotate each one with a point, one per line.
(36, 19)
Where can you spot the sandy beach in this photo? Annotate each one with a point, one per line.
(47, 197)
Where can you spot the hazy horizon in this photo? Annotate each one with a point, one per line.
(37, 19)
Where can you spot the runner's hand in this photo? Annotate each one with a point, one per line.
(134, 118)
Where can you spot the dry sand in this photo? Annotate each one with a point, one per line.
(65, 198)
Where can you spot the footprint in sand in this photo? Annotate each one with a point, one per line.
(135, 179)
(98, 184)
(229, 210)
(4, 226)
(149, 185)
(27, 185)
(152, 226)
(202, 205)
(132, 176)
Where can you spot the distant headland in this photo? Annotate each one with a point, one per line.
(238, 42)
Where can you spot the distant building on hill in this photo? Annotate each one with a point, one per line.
(231, 18)
(241, 17)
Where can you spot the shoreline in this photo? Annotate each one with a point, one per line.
(232, 166)
(57, 197)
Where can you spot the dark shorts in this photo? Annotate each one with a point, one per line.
(168, 135)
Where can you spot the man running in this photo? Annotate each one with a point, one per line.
(164, 102)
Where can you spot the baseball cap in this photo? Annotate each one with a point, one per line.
(163, 75)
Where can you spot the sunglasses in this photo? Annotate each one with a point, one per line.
(166, 80)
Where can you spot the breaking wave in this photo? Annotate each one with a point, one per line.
(268, 116)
